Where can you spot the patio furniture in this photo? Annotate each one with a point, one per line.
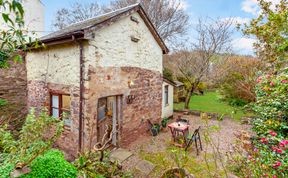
(179, 131)
(196, 138)
(181, 119)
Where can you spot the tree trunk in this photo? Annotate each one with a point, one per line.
(188, 97)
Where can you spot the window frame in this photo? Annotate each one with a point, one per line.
(60, 103)
(166, 95)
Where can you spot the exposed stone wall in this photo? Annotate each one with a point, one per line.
(39, 97)
(147, 92)
(112, 46)
(13, 83)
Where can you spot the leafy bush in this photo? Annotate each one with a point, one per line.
(272, 98)
(33, 141)
(89, 165)
(51, 164)
(167, 73)
(235, 77)
(3, 102)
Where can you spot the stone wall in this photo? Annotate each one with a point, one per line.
(39, 98)
(13, 84)
(146, 88)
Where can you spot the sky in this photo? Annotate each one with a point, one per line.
(240, 10)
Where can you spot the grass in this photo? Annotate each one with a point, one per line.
(210, 102)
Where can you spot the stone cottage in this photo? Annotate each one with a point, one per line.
(105, 71)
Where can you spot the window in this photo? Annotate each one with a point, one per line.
(102, 108)
(60, 105)
(166, 95)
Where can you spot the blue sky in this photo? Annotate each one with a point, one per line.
(242, 10)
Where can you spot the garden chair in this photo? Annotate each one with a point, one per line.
(196, 138)
(182, 120)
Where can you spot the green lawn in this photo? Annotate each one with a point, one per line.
(210, 102)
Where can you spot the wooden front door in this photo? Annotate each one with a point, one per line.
(109, 109)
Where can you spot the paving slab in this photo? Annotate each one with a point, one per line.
(120, 155)
(145, 167)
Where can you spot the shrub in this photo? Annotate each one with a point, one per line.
(51, 164)
(3, 102)
(33, 141)
(167, 73)
(235, 77)
(272, 98)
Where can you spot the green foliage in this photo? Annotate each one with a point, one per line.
(271, 30)
(13, 37)
(164, 122)
(33, 140)
(89, 165)
(3, 102)
(168, 74)
(51, 164)
(272, 98)
(201, 86)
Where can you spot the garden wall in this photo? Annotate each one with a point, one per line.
(13, 89)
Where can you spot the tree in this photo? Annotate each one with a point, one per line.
(271, 30)
(214, 37)
(235, 77)
(168, 16)
(77, 12)
(12, 36)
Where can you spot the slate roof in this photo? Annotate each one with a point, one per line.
(80, 27)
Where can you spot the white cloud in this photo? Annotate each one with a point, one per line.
(243, 45)
(251, 6)
(183, 4)
(237, 20)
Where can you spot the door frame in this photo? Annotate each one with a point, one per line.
(116, 118)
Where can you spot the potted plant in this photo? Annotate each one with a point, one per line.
(155, 129)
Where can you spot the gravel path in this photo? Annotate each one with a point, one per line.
(224, 135)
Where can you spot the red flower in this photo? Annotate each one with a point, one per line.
(276, 165)
(272, 84)
(264, 140)
(274, 176)
(273, 133)
(283, 143)
(284, 81)
(279, 150)
(255, 150)
(267, 76)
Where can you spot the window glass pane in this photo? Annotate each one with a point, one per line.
(55, 101)
(55, 112)
(166, 94)
(66, 102)
(101, 112)
(102, 108)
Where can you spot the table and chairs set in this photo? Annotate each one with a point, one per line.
(181, 136)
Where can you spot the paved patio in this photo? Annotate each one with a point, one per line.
(224, 135)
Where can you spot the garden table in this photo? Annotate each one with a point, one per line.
(179, 131)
